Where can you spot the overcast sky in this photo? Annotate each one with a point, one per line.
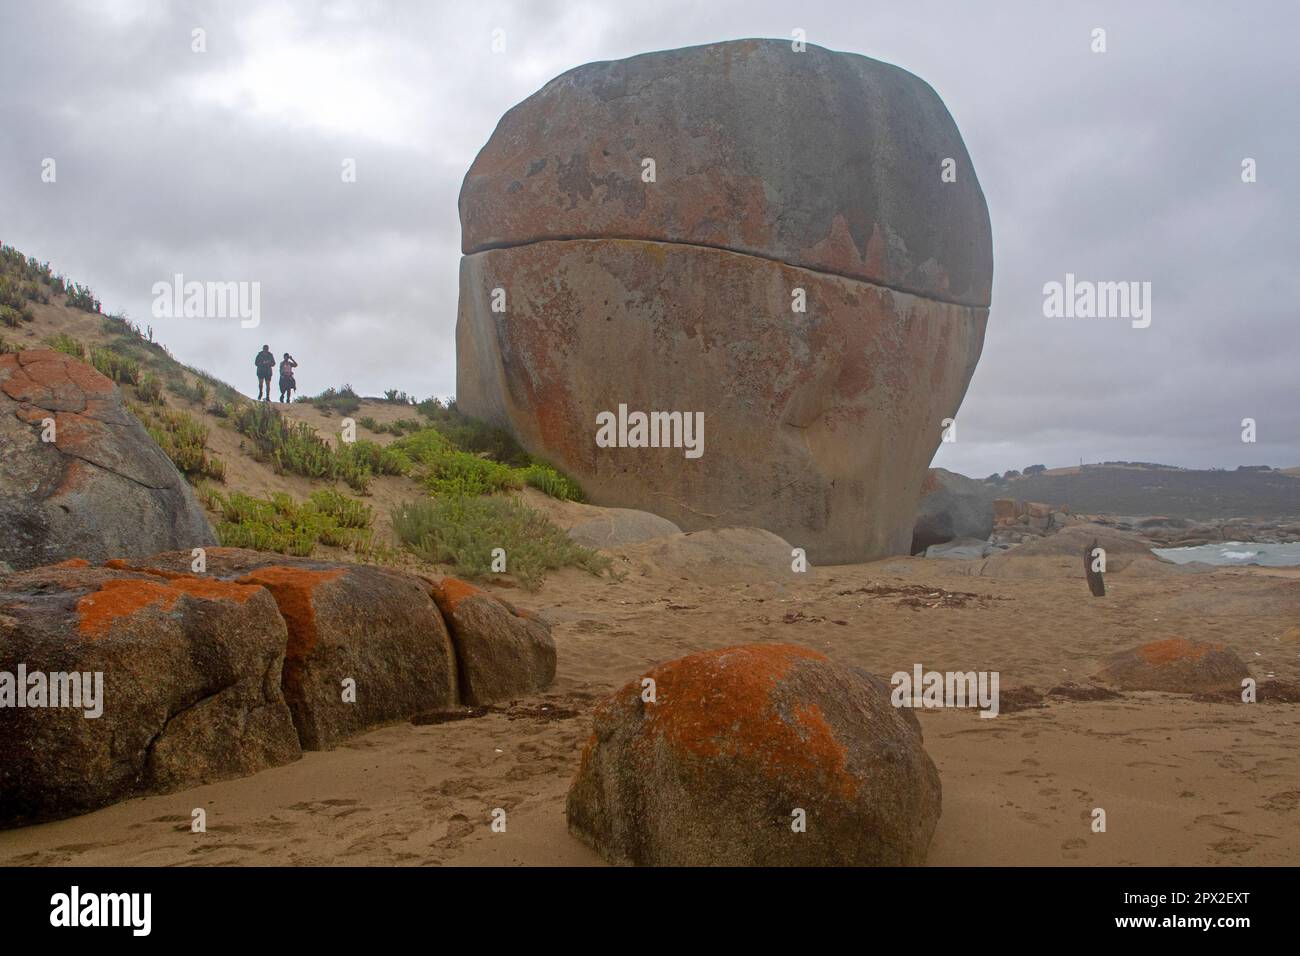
(1116, 166)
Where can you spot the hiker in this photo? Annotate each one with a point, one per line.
(287, 383)
(265, 363)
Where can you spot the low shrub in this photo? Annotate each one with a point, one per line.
(195, 394)
(114, 365)
(80, 297)
(555, 483)
(285, 526)
(14, 316)
(65, 343)
(463, 532)
(347, 512)
(289, 446)
(344, 400)
(296, 447)
(183, 439)
(149, 389)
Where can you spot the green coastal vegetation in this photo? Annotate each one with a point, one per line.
(467, 469)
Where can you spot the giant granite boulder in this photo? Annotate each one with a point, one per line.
(593, 283)
(759, 755)
(101, 488)
(133, 683)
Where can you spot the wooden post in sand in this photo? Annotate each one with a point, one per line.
(1096, 583)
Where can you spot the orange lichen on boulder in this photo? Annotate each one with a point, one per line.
(1175, 665)
(96, 612)
(292, 589)
(449, 592)
(72, 563)
(121, 564)
(47, 378)
(708, 770)
(721, 703)
(1175, 649)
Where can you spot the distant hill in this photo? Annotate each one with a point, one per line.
(1147, 490)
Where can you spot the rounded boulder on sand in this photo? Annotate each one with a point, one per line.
(736, 747)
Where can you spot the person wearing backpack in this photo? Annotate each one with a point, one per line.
(265, 363)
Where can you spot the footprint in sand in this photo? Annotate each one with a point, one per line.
(1070, 848)
(274, 824)
(1282, 802)
(205, 848)
(316, 807)
(458, 827)
(1233, 846)
(456, 786)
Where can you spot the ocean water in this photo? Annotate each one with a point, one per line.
(1236, 553)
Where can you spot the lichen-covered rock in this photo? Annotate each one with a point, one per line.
(191, 693)
(798, 271)
(715, 769)
(102, 488)
(374, 627)
(1175, 665)
(816, 427)
(502, 651)
(826, 160)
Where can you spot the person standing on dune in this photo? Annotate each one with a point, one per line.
(288, 384)
(265, 362)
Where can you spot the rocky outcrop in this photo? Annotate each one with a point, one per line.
(365, 645)
(759, 755)
(231, 667)
(1173, 532)
(619, 527)
(801, 277)
(1015, 522)
(960, 549)
(952, 506)
(185, 672)
(503, 652)
(723, 556)
(1057, 555)
(1177, 666)
(79, 476)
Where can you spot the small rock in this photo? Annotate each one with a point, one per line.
(1175, 665)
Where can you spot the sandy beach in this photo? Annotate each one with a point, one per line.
(1182, 781)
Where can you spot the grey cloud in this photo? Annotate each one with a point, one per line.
(1122, 166)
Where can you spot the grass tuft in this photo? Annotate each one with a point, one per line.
(463, 532)
(286, 526)
(114, 365)
(65, 343)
